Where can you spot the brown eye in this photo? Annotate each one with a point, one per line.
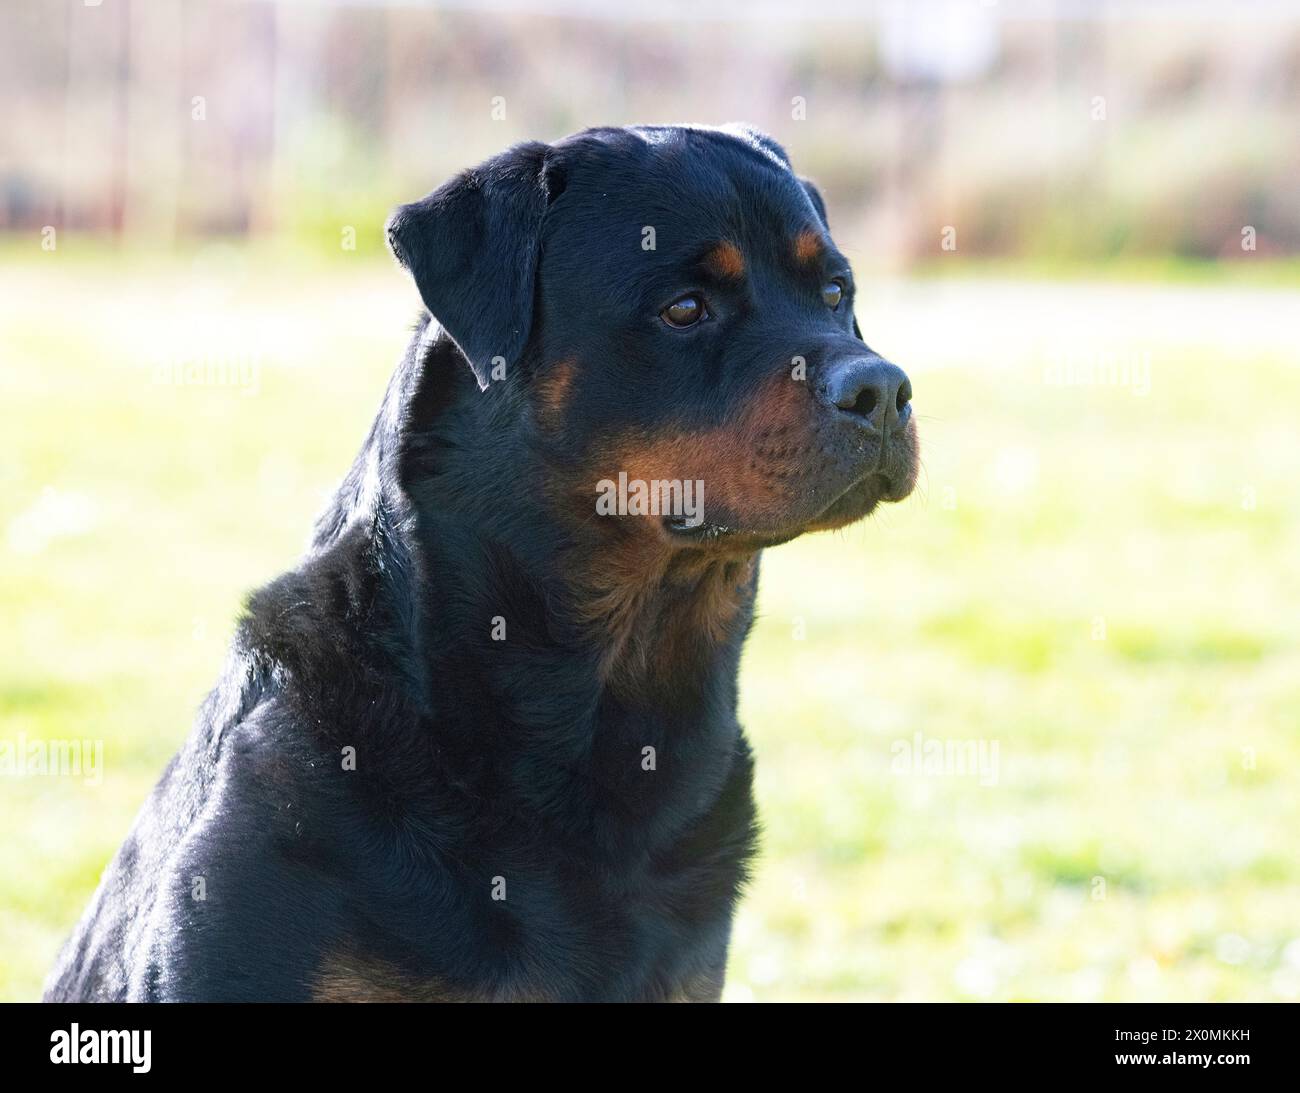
(687, 311)
(832, 294)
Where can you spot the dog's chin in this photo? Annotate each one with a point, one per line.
(854, 504)
(860, 500)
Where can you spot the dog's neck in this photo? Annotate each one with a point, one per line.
(618, 618)
(448, 606)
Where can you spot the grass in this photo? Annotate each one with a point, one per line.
(1103, 584)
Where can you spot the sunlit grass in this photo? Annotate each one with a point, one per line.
(1103, 582)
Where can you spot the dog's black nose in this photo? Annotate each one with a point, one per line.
(870, 388)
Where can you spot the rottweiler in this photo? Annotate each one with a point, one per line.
(481, 744)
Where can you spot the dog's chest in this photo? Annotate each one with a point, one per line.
(526, 921)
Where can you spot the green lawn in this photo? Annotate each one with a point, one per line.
(1103, 584)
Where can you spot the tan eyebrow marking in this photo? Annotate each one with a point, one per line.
(808, 245)
(726, 260)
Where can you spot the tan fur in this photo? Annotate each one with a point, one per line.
(348, 976)
(345, 976)
(746, 465)
(808, 246)
(726, 260)
(552, 392)
(653, 600)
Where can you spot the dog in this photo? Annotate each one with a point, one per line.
(481, 744)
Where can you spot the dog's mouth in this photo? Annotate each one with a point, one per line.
(693, 530)
(854, 503)
(708, 536)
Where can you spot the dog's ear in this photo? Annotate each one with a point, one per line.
(471, 247)
(815, 196)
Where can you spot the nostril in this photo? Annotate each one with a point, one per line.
(904, 395)
(865, 404)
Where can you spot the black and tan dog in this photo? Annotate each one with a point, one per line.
(482, 743)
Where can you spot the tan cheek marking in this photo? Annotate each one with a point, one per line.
(748, 470)
(726, 260)
(808, 246)
(553, 391)
(718, 458)
(740, 463)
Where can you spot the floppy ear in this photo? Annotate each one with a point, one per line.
(815, 196)
(471, 247)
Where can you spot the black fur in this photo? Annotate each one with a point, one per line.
(478, 759)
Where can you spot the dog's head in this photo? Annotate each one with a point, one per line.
(679, 326)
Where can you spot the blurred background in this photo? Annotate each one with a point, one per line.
(1076, 225)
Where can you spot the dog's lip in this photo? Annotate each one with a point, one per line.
(707, 531)
(874, 477)
(703, 531)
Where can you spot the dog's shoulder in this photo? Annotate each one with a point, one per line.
(207, 890)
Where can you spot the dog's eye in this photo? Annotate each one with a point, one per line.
(687, 311)
(832, 294)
